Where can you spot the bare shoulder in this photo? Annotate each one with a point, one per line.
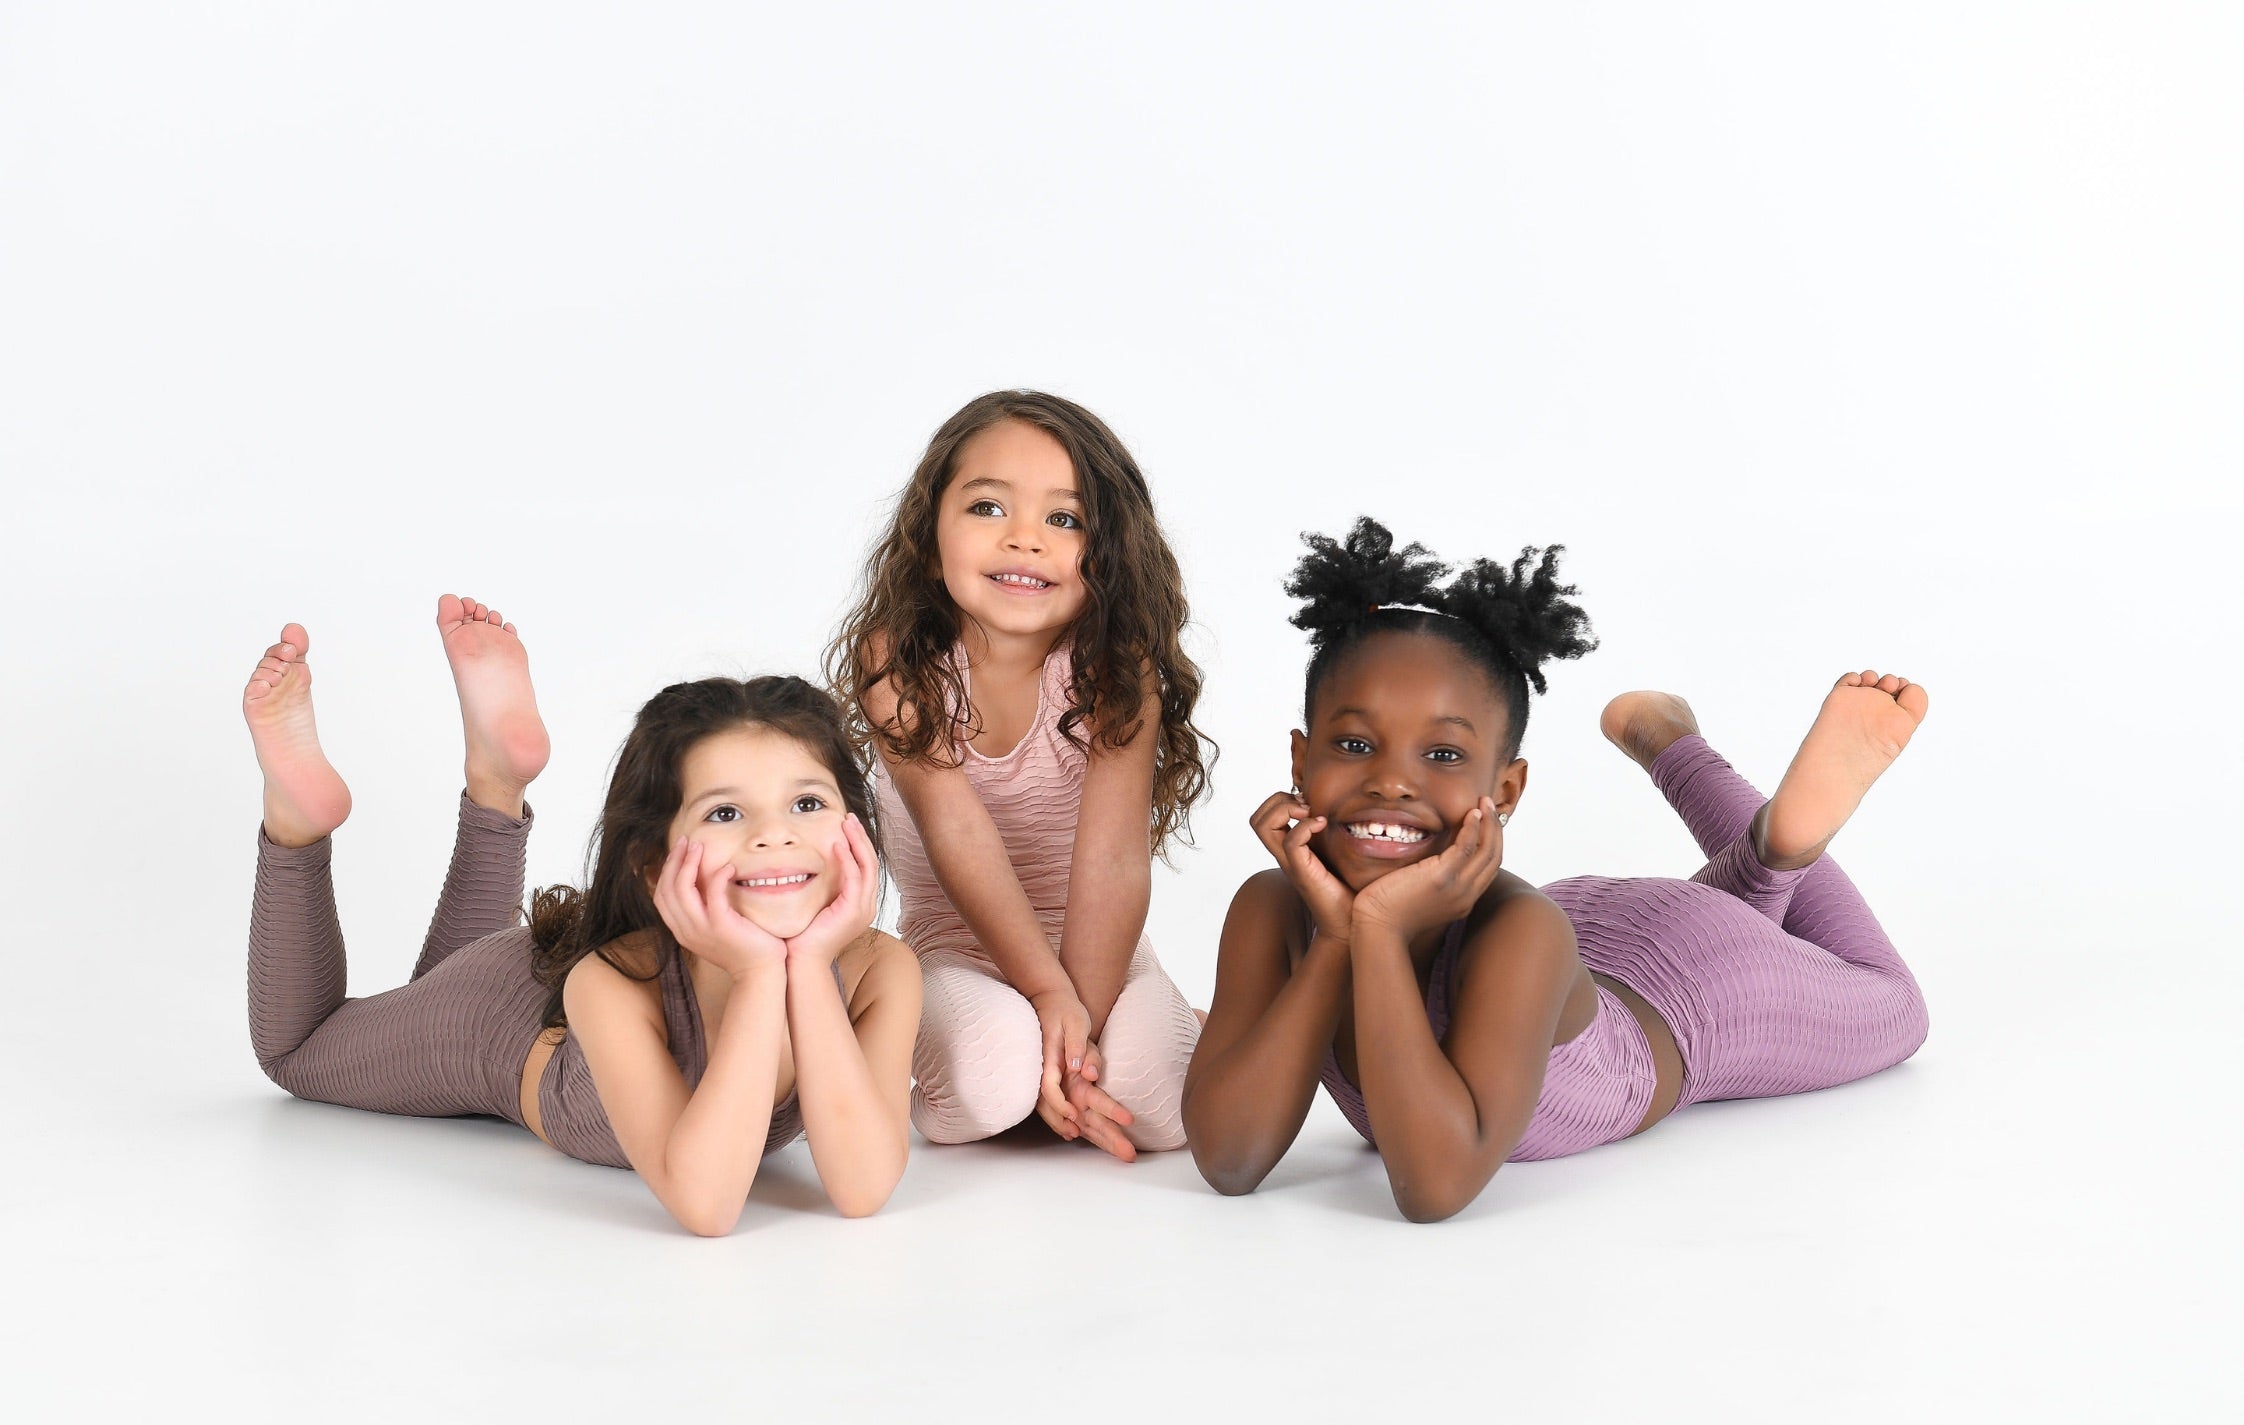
(1515, 920)
(1268, 893)
(878, 964)
(1266, 909)
(597, 989)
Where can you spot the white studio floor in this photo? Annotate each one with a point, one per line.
(1991, 1231)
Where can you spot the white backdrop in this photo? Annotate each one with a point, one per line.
(1907, 338)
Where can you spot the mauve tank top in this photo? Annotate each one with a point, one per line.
(577, 1123)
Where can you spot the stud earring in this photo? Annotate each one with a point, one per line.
(1503, 818)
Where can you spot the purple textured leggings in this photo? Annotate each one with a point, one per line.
(1774, 982)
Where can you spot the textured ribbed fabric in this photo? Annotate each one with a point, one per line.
(1596, 1087)
(979, 1057)
(453, 1041)
(1773, 982)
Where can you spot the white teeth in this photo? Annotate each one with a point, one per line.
(1386, 831)
(795, 880)
(1022, 579)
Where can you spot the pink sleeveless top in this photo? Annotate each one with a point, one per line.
(1033, 793)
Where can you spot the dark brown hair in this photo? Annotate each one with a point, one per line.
(644, 793)
(905, 622)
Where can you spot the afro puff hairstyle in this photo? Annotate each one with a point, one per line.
(1507, 620)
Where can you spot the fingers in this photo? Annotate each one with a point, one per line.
(1270, 821)
(1298, 860)
(1104, 1134)
(712, 883)
(672, 902)
(1056, 1122)
(868, 864)
(1088, 1099)
(1051, 1098)
(1076, 1039)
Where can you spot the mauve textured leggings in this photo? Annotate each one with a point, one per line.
(453, 1040)
(1774, 982)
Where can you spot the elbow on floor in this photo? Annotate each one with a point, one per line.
(708, 1224)
(863, 1203)
(1435, 1204)
(1232, 1179)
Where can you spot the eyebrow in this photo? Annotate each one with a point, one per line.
(1007, 486)
(800, 782)
(1463, 722)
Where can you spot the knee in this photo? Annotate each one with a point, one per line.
(976, 1079)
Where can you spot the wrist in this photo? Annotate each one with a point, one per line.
(763, 970)
(1377, 933)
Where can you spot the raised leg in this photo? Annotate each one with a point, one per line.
(304, 797)
(506, 749)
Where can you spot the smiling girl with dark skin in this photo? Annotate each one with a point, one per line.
(1460, 1016)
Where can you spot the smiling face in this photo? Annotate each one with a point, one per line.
(760, 800)
(1009, 533)
(1405, 738)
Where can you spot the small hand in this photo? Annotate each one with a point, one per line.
(1283, 824)
(1066, 1027)
(694, 898)
(850, 913)
(1098, 1115)
(1442, 888)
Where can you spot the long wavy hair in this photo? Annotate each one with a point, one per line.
(905, 623)
(644, 793)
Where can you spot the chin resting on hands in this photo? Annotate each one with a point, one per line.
(1441, 889)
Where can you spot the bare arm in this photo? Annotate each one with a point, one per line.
(1110, 871)
(970, 862)
(1256, 1069)
(698, 1151)
(853, 1071)
(1447, 1114)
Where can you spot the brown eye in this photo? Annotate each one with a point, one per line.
(806, 804)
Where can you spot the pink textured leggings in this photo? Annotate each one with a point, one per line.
(980, 1055)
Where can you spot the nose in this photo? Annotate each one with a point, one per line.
(771, 831)
(1025, 534)
(1392, 776)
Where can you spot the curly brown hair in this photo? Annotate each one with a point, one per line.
(905, 623)
(643, 795)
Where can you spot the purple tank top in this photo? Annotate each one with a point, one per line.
(1595, 1090)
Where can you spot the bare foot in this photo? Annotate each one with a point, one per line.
(1862, 727)
(506, 742)
(1645, 724)
(305, 798)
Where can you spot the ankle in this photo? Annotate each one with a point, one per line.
(1770, 858)
(499, 794)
